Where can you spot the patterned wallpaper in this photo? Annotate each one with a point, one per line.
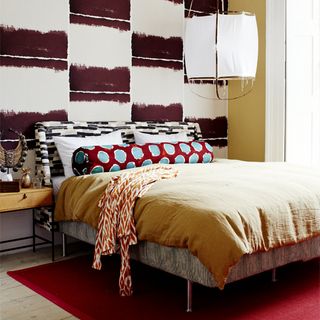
(101, 60)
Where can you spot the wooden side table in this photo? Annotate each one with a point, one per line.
(28, 199)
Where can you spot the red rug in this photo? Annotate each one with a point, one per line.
(92, 294)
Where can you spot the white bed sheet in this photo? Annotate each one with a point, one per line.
(56, 184)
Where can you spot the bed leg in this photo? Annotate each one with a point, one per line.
(189, 296)
(64, 244)
(274, 275)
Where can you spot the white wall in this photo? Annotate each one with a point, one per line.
(100, 42)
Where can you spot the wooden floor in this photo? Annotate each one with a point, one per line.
(17, 302)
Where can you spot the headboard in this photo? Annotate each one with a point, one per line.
(47, 157)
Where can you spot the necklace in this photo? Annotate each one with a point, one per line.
(13, 158)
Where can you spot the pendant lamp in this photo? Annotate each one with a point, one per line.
(221, 46)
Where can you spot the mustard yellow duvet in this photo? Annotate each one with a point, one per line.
(219, 211)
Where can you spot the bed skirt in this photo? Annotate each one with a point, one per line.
(182, 263)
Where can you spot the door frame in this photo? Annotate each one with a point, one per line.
(275, 131)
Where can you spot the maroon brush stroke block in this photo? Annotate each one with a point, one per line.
(186, 80)
(157, 47)
(99, 79)
(116, 9)
(57, 65)
(24, 122)
(206, 6)
(213, 82)
(23, 42)
(191, 14)
(212, 128)
(143, 112)
(176, 1)
(141, 62)
(80, 96)
(89, 21)
(221, 143)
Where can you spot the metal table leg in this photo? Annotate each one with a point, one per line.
(189, 296)
(52, 234)
(33, 230)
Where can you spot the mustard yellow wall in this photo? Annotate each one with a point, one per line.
(246, 116)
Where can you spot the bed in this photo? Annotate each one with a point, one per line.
(177, 261)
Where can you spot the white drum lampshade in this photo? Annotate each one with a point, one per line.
(237, 47)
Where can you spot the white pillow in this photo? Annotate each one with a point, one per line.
(67, 145)
(143, 138)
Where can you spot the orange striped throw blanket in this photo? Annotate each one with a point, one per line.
(116, 221)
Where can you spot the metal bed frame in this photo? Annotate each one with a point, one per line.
(155, 255)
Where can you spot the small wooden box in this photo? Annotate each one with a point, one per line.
(10, 186)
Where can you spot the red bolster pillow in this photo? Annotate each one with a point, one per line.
(96, 159)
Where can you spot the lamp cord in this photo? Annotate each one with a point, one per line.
(216, 48)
